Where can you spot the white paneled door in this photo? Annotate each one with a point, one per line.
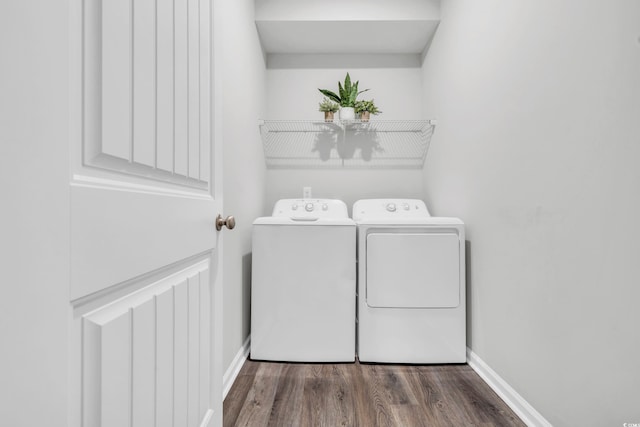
(144, 287)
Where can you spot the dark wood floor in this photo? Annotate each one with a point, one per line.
(354, 394)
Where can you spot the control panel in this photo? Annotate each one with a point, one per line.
(310, 208)
(389, 208)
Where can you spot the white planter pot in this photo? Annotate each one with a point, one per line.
(347, 113)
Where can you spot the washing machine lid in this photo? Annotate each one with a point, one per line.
(389, 209)
(310, 209)
(413, 269)
(305, 221)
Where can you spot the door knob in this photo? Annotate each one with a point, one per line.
(229, 222)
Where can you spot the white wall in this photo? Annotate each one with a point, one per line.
(34, 213)
(537, 150)
(243, 103)
(293, 95)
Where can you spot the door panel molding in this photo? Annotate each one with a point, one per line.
(110, 184)
(147, 92)
(145, 356)
(82, 306)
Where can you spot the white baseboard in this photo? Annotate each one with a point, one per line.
(521, 407)
(207, 418)
(234, 369)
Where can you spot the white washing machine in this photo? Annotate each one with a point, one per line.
(411, 283)
(303, 287)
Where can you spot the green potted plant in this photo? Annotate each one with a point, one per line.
(346, 97)
(365, 109)
(328, 107)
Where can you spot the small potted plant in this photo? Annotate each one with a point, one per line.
(346, 97)
(328, 108)
(365, 109)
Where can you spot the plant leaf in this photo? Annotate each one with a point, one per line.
(331, 95)
(347, 83)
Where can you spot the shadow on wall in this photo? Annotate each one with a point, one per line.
(246, 294)
(467, 256)
(347, 145)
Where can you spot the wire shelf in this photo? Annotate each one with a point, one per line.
(302, 144)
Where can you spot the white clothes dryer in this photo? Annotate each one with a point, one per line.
(303, 287)
(411, 283)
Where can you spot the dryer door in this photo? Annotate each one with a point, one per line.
(413, 270)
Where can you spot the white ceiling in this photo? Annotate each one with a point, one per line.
(346, 26)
